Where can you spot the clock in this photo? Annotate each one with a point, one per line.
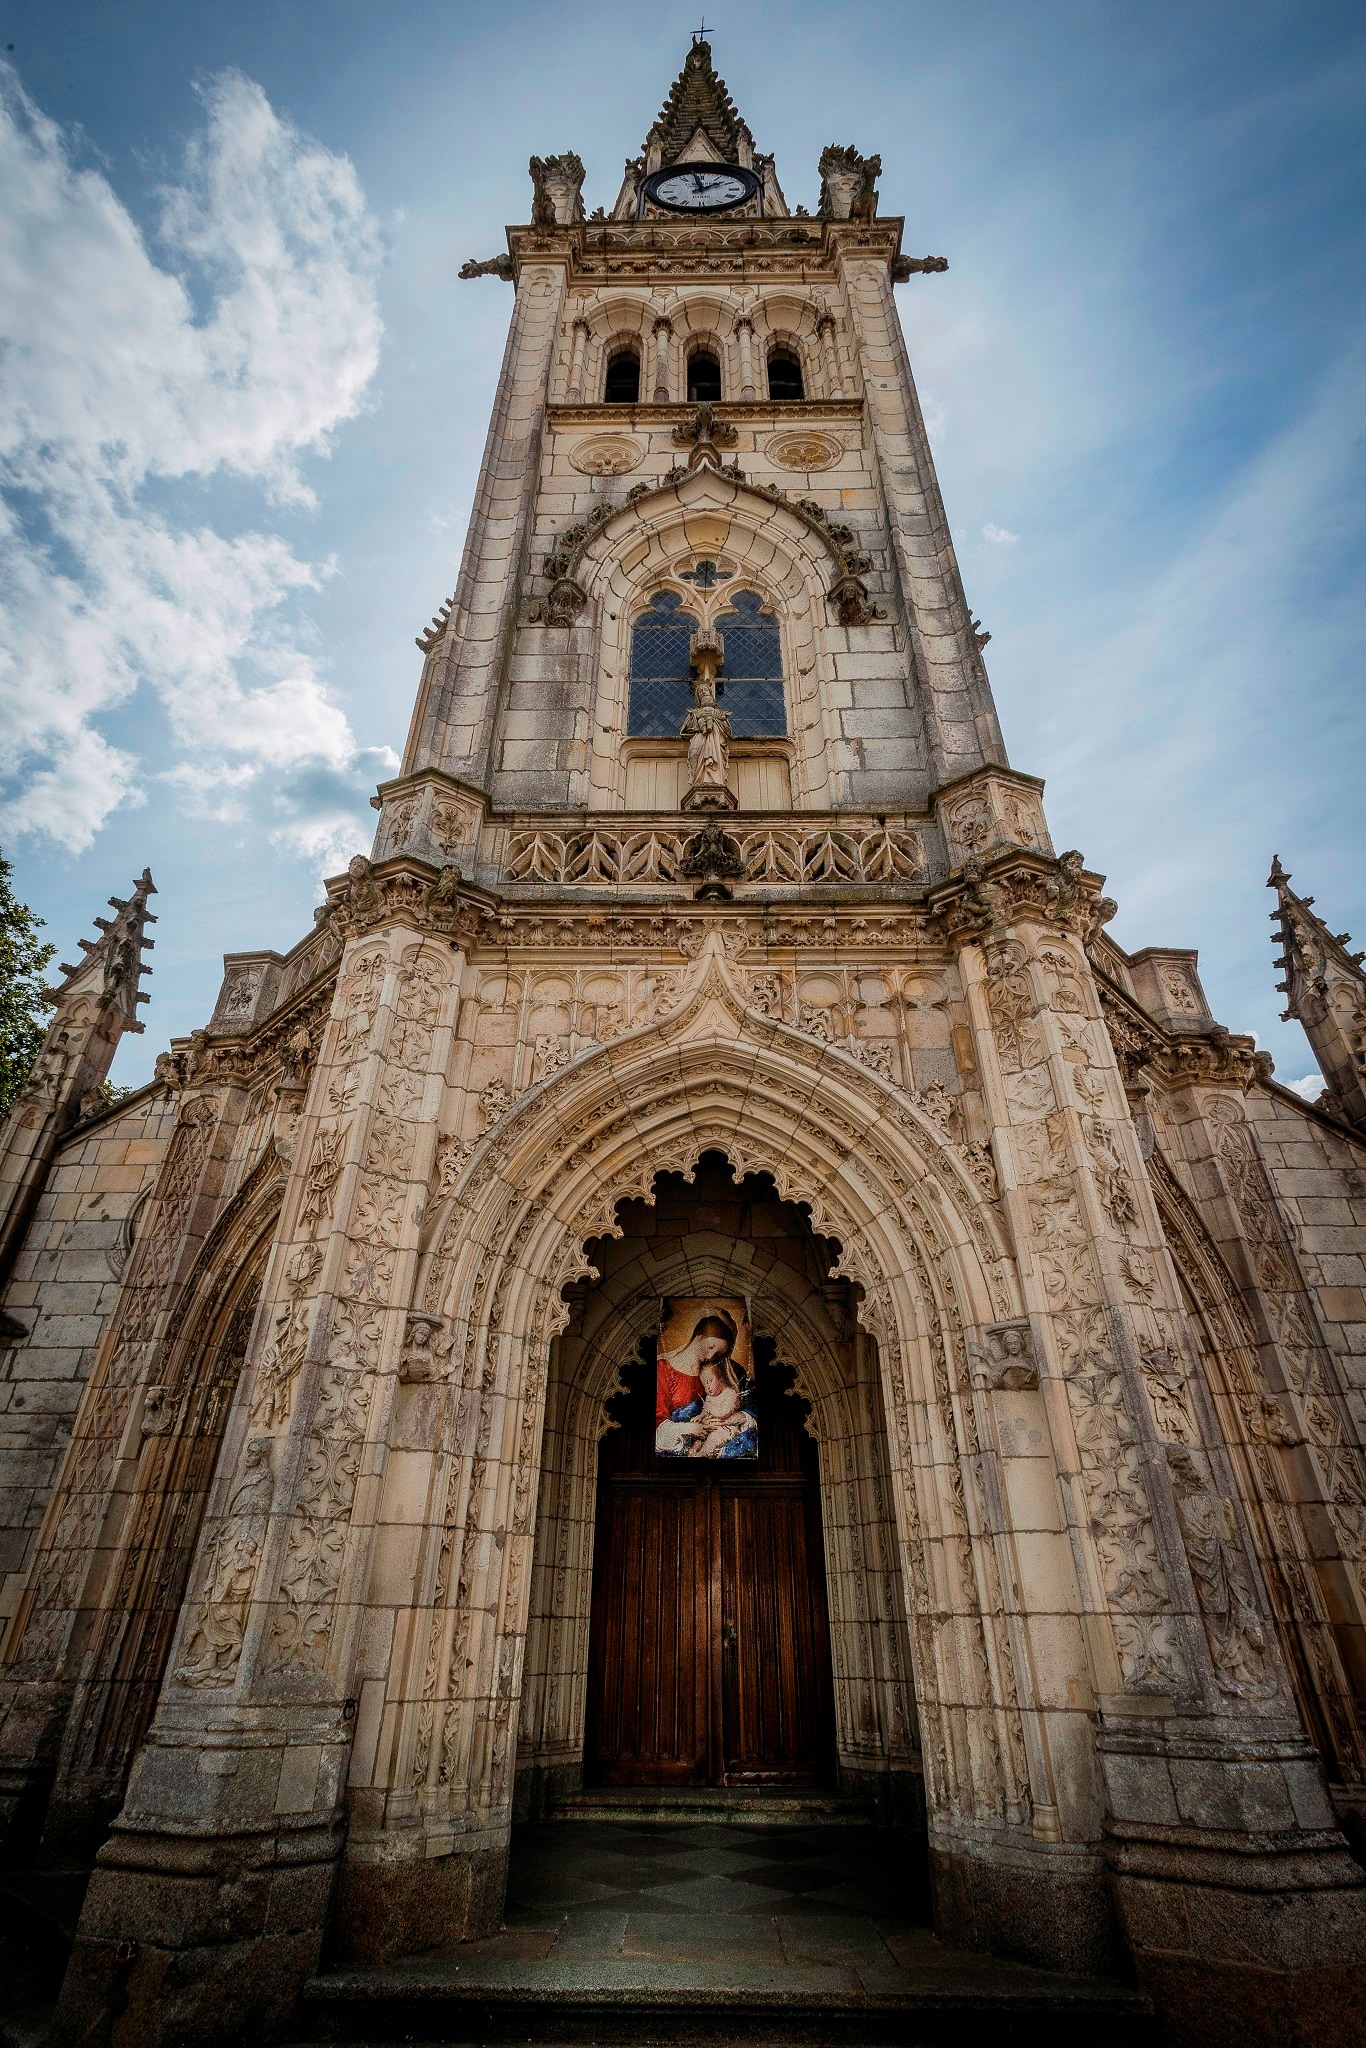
(701, 188)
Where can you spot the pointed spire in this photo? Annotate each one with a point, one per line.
(113, 963)
(698, 100)
(1325, 991)
(94, 1005)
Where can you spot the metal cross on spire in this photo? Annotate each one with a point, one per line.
(700, 34)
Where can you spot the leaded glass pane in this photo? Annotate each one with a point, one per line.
(751, 677)
(661, 687)
(752, 672)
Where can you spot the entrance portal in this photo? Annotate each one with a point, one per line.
(709, 1657)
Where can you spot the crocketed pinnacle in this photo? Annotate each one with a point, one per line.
(698, 99)
(1325, 991)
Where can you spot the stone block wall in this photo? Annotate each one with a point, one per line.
(64, 1289)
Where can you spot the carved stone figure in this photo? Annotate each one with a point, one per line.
(710, 857)
(215, 1642)
(707, 731)
(1009, 1365)
(558, 190)
(848, 184)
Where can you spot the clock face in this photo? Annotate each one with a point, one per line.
(702, 188)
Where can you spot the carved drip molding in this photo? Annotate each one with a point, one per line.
(847, 596)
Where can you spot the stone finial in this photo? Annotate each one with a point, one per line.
(698, 104)
(93, 1005)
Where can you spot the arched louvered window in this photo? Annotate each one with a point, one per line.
(752, 673)
(661, 677)
(704, 377)
(623, 378)
(785, 374)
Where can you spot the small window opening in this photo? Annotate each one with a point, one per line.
(623, 378)
(704, 378)
(785, 374)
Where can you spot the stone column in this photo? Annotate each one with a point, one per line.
(576, 355)
(220, 1868)
(960, 719)
(457, 703)
(663, 339)
(1218, 1831)
(744, 329)
(825, 329)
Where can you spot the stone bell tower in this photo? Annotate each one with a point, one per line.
(710, 945)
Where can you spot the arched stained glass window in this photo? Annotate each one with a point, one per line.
(661, 677)
(752, 673)
(751, 677)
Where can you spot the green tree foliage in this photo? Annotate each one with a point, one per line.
(23, 960)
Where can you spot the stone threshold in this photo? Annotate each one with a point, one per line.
(735, 1805)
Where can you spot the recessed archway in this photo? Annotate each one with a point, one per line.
(717, 1234)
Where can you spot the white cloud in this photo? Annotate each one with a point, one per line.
(999, 536)
(1310, 1087)
(128, 381)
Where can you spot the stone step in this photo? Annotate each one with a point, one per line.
(639, 2005)
(742, 1806)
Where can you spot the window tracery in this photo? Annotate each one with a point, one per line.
(750, 678)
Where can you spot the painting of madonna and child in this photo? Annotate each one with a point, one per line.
(704, 1385)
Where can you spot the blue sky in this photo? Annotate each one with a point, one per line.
(243, 397)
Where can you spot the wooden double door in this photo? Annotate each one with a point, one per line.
(709, 1659)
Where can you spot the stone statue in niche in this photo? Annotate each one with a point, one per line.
(707, 731)
(426, 1351)
(1008, 1364)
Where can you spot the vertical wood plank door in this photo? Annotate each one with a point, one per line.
(709, 1660)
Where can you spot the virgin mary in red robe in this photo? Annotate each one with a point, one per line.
(676, 1381)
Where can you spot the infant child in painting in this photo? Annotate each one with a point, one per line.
(723, 1413)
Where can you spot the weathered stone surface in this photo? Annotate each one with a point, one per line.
(312, 1342)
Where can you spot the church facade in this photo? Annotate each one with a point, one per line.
(710, 952)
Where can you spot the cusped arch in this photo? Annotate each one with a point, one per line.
(835, 1375)
(715, 1073)
(715, 1076)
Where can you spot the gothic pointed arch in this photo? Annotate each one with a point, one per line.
(714, 1076)
(805, 1326)
(804, 564)
(1261, 1439)
(136, 1591)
